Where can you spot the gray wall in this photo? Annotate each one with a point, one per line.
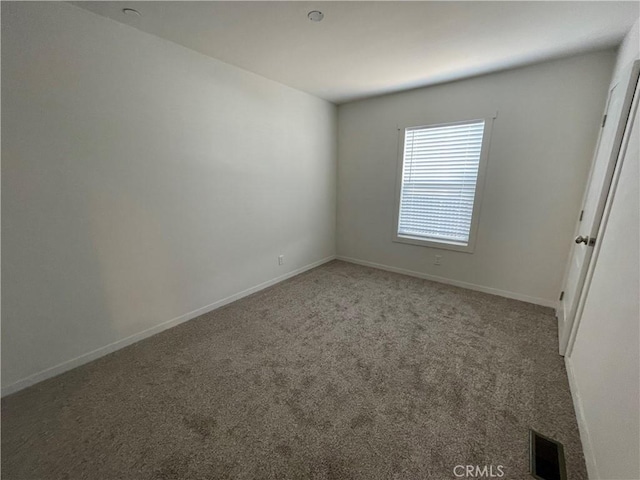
(141, 183)
(541, 150)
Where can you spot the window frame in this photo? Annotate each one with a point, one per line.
(477, 199)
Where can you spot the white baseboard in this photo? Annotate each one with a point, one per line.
(587, 448)
(102, 351)
(457, 283)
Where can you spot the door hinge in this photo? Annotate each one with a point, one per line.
(581, 215)
(561, 295)
(604, 120)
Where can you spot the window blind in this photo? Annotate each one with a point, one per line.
(439, 176)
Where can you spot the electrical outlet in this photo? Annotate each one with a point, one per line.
(280, 259)
(438, 260)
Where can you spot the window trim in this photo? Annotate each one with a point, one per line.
(477, 199)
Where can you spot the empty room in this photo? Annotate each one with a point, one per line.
(320, 240)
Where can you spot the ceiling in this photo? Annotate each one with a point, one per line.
(362, 48)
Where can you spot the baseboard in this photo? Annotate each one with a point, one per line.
(112, 347)
(587, 448)
(456, 283)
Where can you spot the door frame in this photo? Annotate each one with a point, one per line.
(629, 81)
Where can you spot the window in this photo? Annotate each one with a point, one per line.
(441, 177)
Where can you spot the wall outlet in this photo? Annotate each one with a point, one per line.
(437, 260)
(280, 259)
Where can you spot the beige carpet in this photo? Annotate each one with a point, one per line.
(342, 372)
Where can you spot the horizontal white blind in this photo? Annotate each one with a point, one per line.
(439, 176)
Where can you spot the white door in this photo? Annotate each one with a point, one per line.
(616, 115)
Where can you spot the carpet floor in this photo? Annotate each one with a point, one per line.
(343, 372)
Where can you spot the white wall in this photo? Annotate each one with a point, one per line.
(604, 365)
(541, 150)
(628, 50)
(142, 181)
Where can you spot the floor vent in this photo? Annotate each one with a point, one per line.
(547, 458)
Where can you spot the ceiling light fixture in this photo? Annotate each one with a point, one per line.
(315, 16)
(131, 11)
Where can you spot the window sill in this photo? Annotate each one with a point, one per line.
(422, 242)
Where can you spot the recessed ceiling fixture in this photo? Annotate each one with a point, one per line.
(132, 12)
(315, 16)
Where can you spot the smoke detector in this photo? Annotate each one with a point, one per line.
(315, 16)
(131, 12)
